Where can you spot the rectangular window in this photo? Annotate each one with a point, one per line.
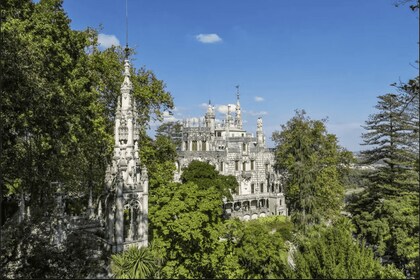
(194, 145)
(262, 187)
(186, 146)
(243, 147)
(221, 167)
(236, 165)
(252, 164)
(219, 134)
(252, 188)
(203, 145)
(266, 167)
(244, 166)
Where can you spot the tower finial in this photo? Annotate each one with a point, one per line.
(237, 92)
(126, 50)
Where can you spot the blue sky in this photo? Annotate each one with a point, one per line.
(330, 58)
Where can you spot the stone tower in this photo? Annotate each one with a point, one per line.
(127, 182)
(260, 133)
(210, 117)
(238, 117)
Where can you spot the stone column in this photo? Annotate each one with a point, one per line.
(110, 223)
(139, 222)
(22, 207)
(131, 228)
(119, 217)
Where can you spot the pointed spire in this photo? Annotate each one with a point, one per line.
(238, 118)
(237, 94)
(126, 50)
(260, 133)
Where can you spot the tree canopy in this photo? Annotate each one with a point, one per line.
(314, 164)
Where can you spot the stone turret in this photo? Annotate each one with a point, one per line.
(260, 133)
(238, 117)
(229, 118)
(126, 182)
(210, 117)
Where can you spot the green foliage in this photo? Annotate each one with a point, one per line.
(206, 176)
(391, 138)
(173, 130)
(254, 249)
(315, 165)
(330, 252)
(134, 263)
(59, 95)
(184, 222)
(386, 214)
(28, 251)
(392, 227)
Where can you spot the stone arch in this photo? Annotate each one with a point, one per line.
(245, 205)
(246, 217)
(254, 216)
(133, 215)
(253, 204)
(262, 215)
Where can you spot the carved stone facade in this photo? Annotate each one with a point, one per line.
(234, 151)
(126, 202)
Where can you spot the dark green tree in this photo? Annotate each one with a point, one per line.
(391, 138)
(206, 176)
(330, 252)
(173, 130)
(185, 223)
(314, 164)
(59, 93)
(134, 263)
(386, 213)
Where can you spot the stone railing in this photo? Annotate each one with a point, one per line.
(255, 196)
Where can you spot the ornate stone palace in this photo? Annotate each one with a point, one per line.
(234, 151)
(127, 183)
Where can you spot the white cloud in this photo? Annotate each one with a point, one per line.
(203, 105)
(261, 113)
(258, 99)
(224, 108)
(105, 41)
(208, 38)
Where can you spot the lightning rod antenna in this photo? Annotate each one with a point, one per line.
(126, 30)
